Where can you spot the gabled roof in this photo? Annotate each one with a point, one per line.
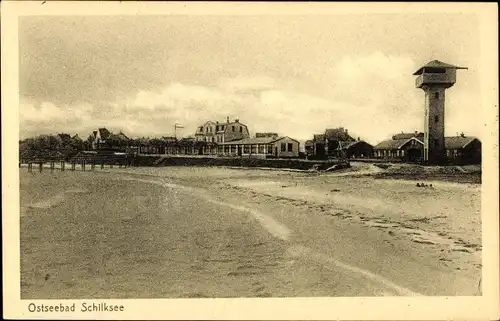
(338, 134)
(123, 136)
(458, 142)
(104, 133)
(455, 142)
(347, 145)
(436, 64)
(407, 135)
(76, 137)
(395, 143)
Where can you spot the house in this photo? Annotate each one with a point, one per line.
(356, 149)
(104, 139)
(405, 149)
(77, 139)
(318, 145)
(463, 149)
(281, 147)
(309, 147)
(460, 149)
(216, 132)
(333, 137)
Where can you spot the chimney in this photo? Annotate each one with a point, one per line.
(236, 120)
(359, 139)
(217, 122)
(462, 134)
(228, 119)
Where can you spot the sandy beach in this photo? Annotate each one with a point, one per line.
(219, 232)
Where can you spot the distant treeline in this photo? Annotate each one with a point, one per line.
(60, 146)
(66, 146)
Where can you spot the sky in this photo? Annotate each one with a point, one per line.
(294, 75)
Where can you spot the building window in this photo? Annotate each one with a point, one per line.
(216, 128)
(290, 147)
(233, 128)
(246, 149)
(241, 129)
(269, 149)
(283, 147)
(254, 149)
(436, 119)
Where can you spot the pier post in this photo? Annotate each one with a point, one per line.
(30, 167)
(52, 166)
(102, 163)
(63, 164)
(40, 166)
(92, 165)
(83, 165)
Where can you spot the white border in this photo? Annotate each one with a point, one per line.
(392, 308)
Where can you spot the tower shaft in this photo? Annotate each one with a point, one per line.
(434, 148)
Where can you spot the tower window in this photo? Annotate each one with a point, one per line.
(436, 95)
(436, 119)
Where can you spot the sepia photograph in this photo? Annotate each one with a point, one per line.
(239, 151)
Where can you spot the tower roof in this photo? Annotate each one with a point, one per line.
(437, 64)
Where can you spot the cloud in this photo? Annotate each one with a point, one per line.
(371, 95)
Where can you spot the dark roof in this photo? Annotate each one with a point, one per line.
(455, 142)
(266, 135)
(436, 64)
(458, 142)
(64, 137)
(347, 145)
(394, 143)
(337, 134)
(407, 135)
(76, 137)
(226, 129)
(319, 138)
(104, 133)
(122, 135)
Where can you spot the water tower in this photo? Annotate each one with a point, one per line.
(434, 78)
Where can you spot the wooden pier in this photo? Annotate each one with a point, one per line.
(84, 163)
